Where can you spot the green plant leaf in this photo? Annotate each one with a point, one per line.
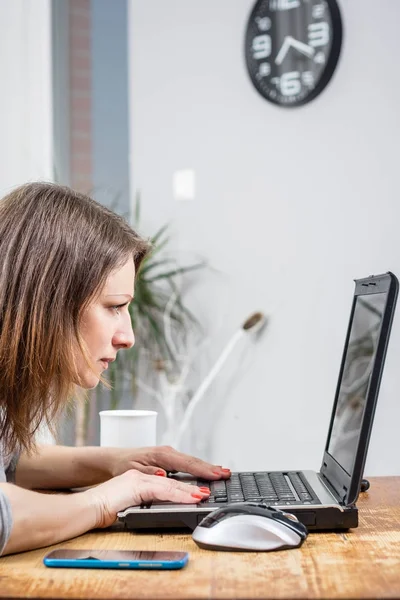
(159, 337)
(174, 272)
(155, 282)
(157, 263)
(157, 249)
(156, 237)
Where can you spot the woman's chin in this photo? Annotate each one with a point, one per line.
(92, 385)
(89, 381)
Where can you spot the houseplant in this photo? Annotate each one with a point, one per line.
(162, 326)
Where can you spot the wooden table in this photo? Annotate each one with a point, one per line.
(361, 563)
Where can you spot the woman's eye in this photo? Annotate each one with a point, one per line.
(117, 308)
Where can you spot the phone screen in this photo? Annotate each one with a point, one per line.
(116, 555)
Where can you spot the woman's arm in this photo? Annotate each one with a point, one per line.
(44, 519)
(59, 467)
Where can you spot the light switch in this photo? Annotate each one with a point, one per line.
(183, 184)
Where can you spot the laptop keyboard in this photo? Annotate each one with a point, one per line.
(274, 489)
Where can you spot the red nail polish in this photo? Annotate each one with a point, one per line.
(198, 496)
(160, 473)
(206, 490)
(225, 471)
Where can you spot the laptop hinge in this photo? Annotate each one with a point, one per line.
(332, 489)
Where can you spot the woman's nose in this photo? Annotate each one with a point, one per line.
(124, 339)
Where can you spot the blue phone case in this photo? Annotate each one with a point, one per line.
(93, 563)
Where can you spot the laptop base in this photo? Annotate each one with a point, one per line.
(328, 519)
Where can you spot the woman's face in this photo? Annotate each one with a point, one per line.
(106, 325)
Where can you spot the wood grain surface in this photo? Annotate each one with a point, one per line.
(361, 563)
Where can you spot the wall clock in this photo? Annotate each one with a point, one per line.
(292, 48)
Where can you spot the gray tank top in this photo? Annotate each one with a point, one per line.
(7, 474)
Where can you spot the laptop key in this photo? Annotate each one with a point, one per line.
(218, 485)
(270, 488)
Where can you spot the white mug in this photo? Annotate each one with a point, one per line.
(128, 428)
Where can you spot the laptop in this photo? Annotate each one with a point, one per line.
(323, 500)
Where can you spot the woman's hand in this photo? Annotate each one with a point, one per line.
(132, 488)
(158, 460)
(57, 467)
(54, 518)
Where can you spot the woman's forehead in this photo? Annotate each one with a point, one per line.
(121, 280)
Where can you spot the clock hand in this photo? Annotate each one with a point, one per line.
(302, 47)
(283, 51)
(289, 42)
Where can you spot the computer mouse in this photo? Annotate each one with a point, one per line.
(249, 526)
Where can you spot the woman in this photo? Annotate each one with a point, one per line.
(67, 272)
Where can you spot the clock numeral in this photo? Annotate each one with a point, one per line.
(264, 70)
(307, 77)
(261, 46)
(319, 58)
(263, 23)
(283, 4)
(318, 34)
(318, 11)
(290, 83)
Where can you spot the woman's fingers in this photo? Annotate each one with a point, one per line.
(172, 460)
(134, 487)
(163, 489)
(148, 470)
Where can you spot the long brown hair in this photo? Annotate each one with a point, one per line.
(57, 248)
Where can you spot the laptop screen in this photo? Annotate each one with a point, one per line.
(358, 365)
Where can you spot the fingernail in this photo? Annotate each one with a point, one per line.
(206, 490)
(160, 473)
(198, 496)
(223, 471)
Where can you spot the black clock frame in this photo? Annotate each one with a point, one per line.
(337, 37)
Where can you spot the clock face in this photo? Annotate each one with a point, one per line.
(292, 48)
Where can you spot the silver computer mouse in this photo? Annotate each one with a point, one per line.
(249, 526)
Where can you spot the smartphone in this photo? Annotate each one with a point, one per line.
(115, 559)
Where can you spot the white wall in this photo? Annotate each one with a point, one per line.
(291, 205)
(25, 100)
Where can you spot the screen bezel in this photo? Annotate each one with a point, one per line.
(347, 486)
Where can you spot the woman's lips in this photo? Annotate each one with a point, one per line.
(105, 362)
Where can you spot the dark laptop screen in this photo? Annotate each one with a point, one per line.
(360, 356)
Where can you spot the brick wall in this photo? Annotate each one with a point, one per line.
(80, 77)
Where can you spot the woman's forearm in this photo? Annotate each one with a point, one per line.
(58, 467)
(43, 519)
